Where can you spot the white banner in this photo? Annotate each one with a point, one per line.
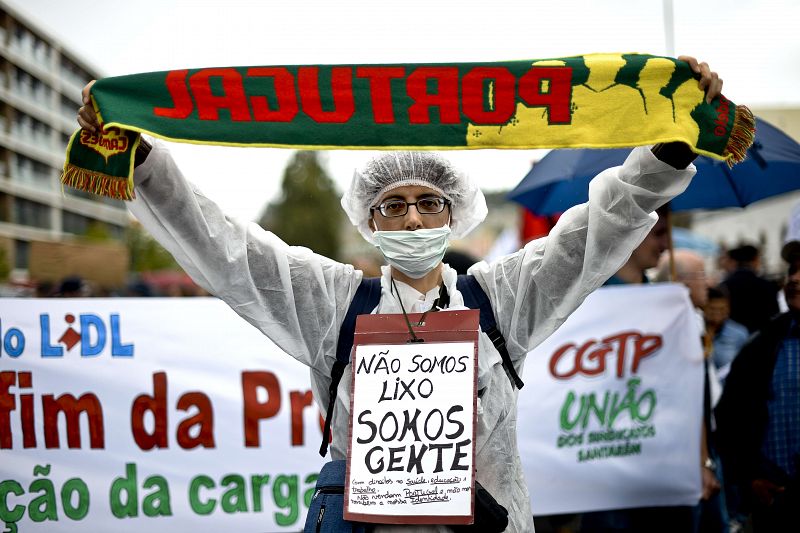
(150, 415)
(611, 412)
(176, 415)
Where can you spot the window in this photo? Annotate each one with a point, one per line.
(4, 158)
(4, 67)
(5, 207)
(64, 142)
(41, 52)
(74, 223)
(69, 110)
(28, 129)
(26, 170)
(81, 225)
(28, 213)
(22, 254)
(19, 36)
(73, 73)
(28, 44)
(31, 88)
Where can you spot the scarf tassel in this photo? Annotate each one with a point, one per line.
(116, 187)
(742, 136)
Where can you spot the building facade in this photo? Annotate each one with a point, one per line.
(40, 92)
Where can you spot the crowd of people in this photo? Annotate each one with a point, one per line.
(751, 442)
(757, 417)
(169, 284)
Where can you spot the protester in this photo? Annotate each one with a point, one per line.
(711, 513)
(646, 255)
(139, 289)
(44, 289)
(790, 252)
(690, 270)
(727, 335)
(758, 419)
(725, 339)
(753, 298)
(409, 205)
(72, 287)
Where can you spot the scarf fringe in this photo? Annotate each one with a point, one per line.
(94, 182)
(742, 136)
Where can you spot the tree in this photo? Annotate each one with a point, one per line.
(97, 231)
(145, 253)
(307, 212)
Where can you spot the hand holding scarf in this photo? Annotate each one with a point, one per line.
(596, 101)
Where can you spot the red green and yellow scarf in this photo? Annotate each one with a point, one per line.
(594, 101)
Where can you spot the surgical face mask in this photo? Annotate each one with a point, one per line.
(414, 253)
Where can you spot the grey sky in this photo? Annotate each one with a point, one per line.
(753, 44)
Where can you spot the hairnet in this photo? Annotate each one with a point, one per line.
(397, 169)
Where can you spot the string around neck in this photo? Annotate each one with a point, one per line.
(411, 332)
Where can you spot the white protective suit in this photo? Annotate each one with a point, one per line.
(299, 299)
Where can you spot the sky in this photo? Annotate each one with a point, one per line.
(753, 44)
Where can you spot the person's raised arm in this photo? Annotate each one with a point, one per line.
(296, 297)
(536, 289)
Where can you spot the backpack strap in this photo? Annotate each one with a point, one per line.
(365, 300)
(475, 298)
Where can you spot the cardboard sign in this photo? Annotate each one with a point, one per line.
(413, 420)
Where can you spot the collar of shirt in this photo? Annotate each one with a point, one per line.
(415, 301)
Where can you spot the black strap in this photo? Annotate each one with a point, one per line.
(475, 298)
(336, 376)
(365, 300)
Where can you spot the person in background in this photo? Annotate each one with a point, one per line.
(710, 513)
(727, 338)
(754, 300)
(45, 289)
(758, 419)
(646, 255)
(690, 270)
(72, 287)
(139, 289)
(726, 335)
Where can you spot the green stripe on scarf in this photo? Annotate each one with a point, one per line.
(596, 101)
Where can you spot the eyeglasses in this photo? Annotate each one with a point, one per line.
(395, 207)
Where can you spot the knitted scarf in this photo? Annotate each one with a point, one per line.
(595, 101)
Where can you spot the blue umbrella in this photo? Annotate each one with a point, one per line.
(561, 179)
